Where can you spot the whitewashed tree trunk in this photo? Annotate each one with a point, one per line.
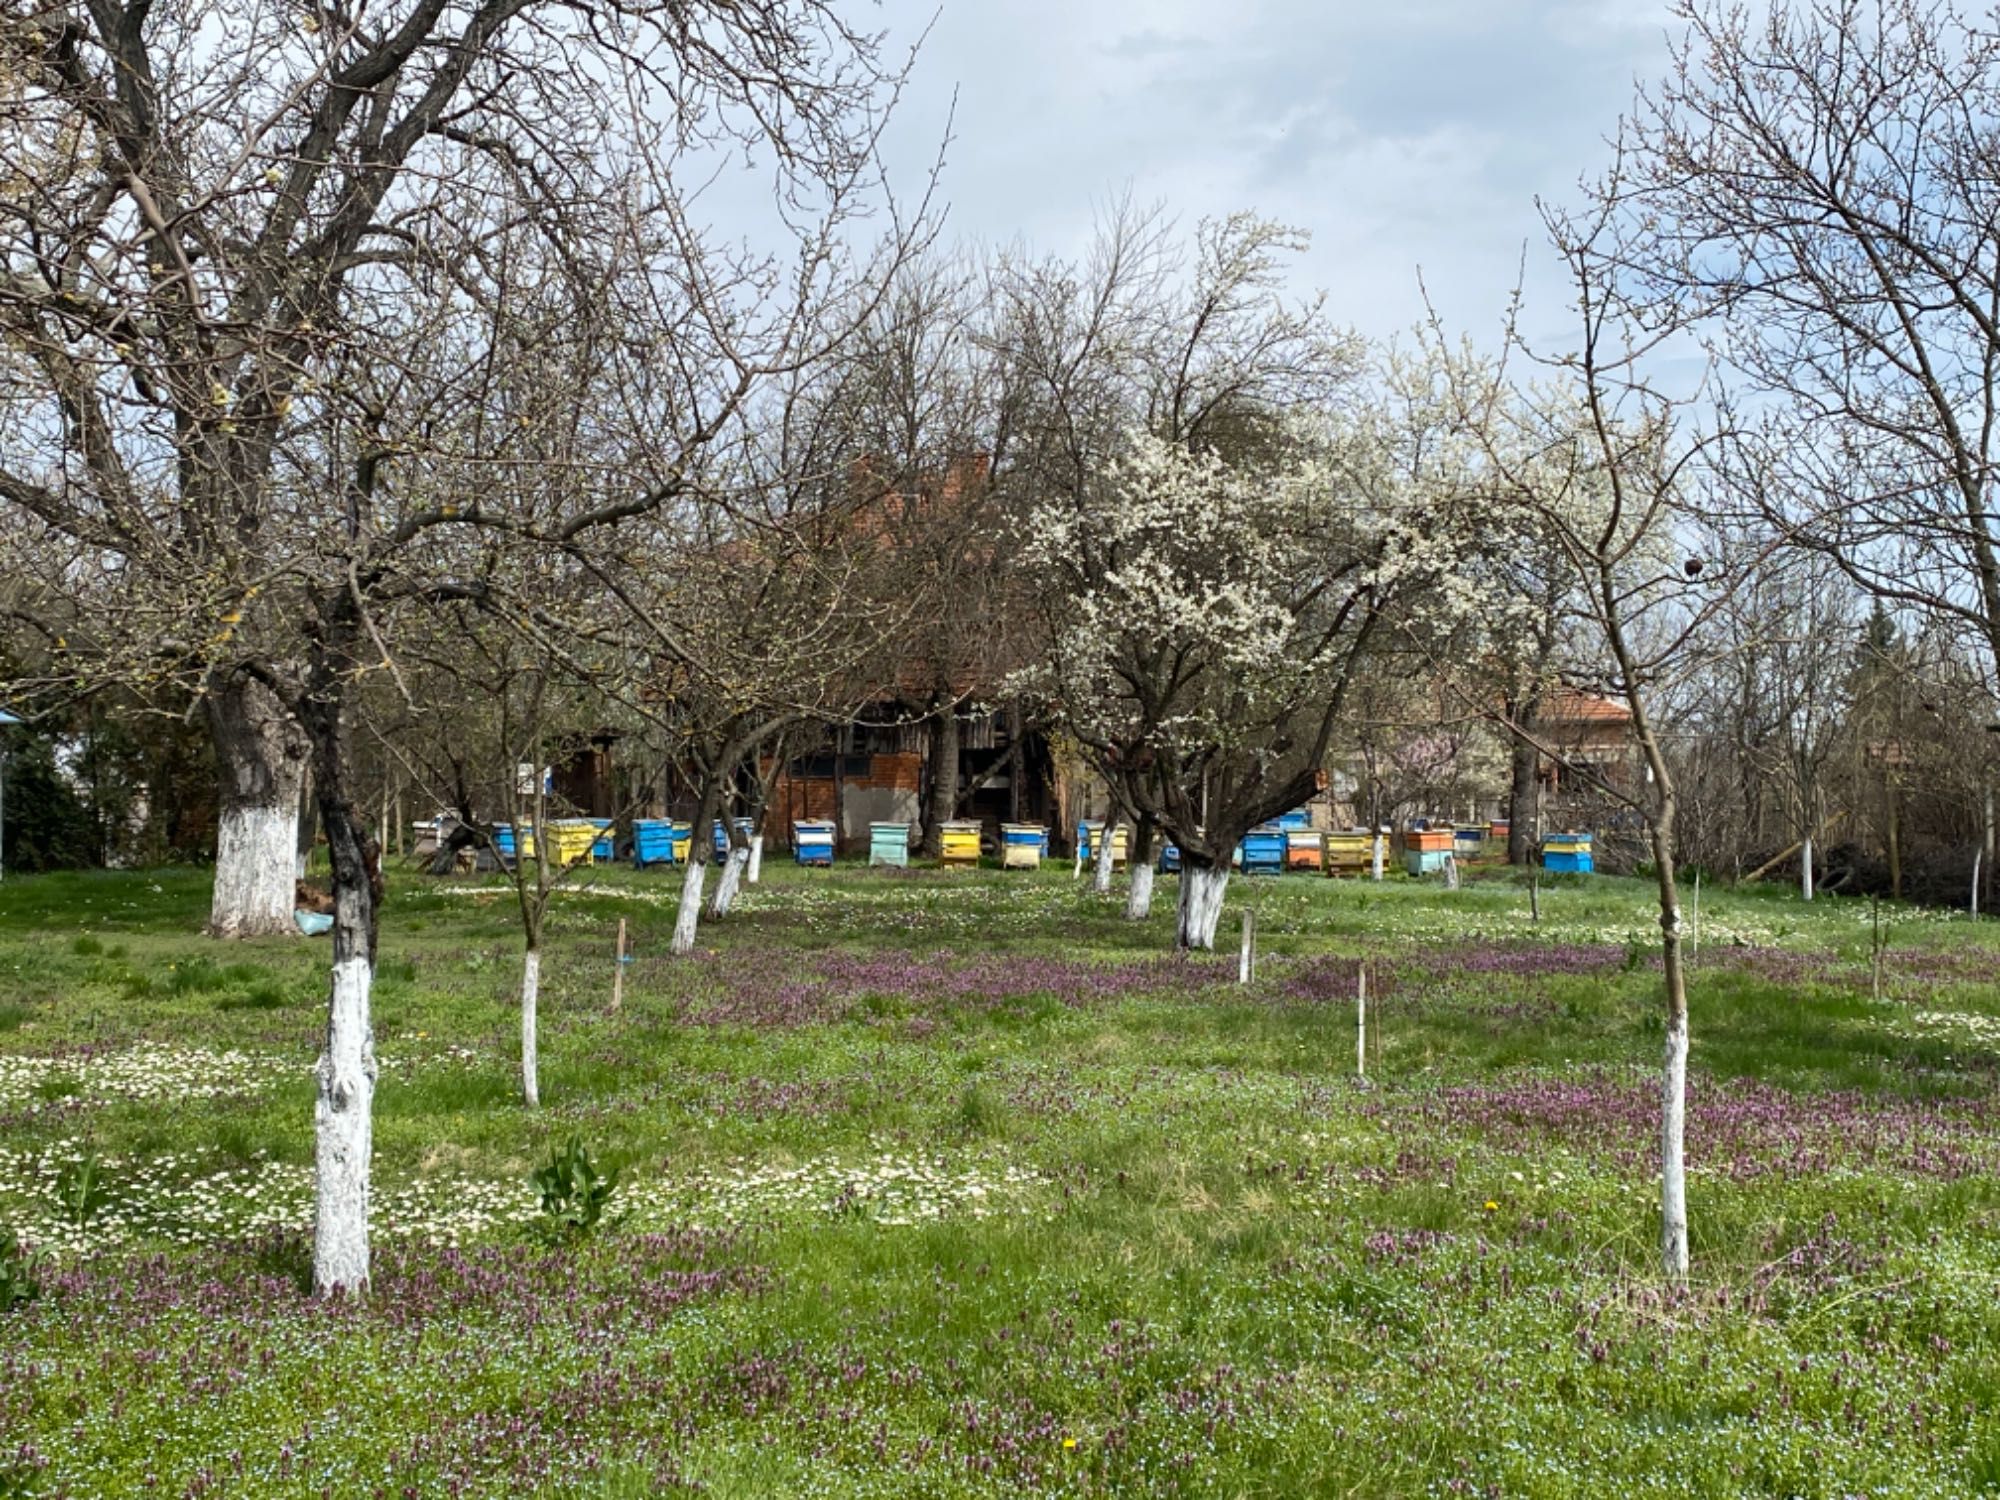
(1673, 1152)
(531, 988)
(1378, 843)
(261, 759)
(343, 1132)
(688, 917)
(755, 870)
(1139, 898)
(1100, 866)
(1806, 869)
(256, 857)
(726, 884)
(1202, 888)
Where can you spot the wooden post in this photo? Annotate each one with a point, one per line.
(1875, 945)
(1361, 1021)
(618, 970)
(1535, 898)
(1694, 940)
(1246, 962)
(1981, 854)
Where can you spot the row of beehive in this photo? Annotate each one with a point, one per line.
(575, 841)
(1287, 844)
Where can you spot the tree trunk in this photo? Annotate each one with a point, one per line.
(344, 1077)
(531, 988)
(1139, 899)
(1895, 845)
(1100, 863)
(731, 877)
(1139, 896)
(688, 917)
(1673, 1076)
(1806, 867)
(944, 779)
(754, 870)
(1524, 803)
(702, 841)
(1202, 889)
(261, 759)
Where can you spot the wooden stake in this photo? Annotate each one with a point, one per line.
(1694, 939)
(1535, 899)
(618, 970)
(1875, 945)
(1246, 963)
(1361, 1021)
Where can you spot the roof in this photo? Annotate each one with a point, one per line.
(1570, 706)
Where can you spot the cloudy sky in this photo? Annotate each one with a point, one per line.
(1400, 133)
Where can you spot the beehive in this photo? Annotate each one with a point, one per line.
(1263, 851)
(812, 841)
(889, 844)
(1468, 841)
(1305, 849)
(1569, 853)
(1022, 846)
(604, 848)
(572, 838)
(1349, 853)
(1425, 850)
(1170, 858)
(958, 843)
(1086, 841)
(652, 842)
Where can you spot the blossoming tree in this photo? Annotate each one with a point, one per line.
(1209, 618)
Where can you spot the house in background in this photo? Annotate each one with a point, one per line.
(1591, 737)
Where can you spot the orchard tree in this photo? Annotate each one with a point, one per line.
(1207, 621)
(1598, 464)
(262, 300)
(1808, 191)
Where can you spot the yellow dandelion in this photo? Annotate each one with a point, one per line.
(1491, 1206)
(1069, 1442)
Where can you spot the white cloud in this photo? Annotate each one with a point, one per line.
(1399, 134)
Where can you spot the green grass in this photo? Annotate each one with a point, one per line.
(914, 1200)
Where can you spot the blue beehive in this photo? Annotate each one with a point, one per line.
(1298, 817)
(812, 841)
(504, 843)
(1468, 841)
(603, 848)
(658, 841)
(1568, 853)
(1264, 851)
(748, 825)
(1170, 858)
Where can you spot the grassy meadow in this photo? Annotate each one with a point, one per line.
(948, 1184)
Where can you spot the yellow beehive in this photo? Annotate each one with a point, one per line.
(1349, 851)
(959, 843)
(572, 839)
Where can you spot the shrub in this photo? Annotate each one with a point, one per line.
(574, 1192)
(81, 1190)
(17, 1272)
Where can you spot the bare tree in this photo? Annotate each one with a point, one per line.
(1809, 190)
(262, 304)
(1599, 464)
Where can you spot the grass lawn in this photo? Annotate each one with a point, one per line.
(960, 1185)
